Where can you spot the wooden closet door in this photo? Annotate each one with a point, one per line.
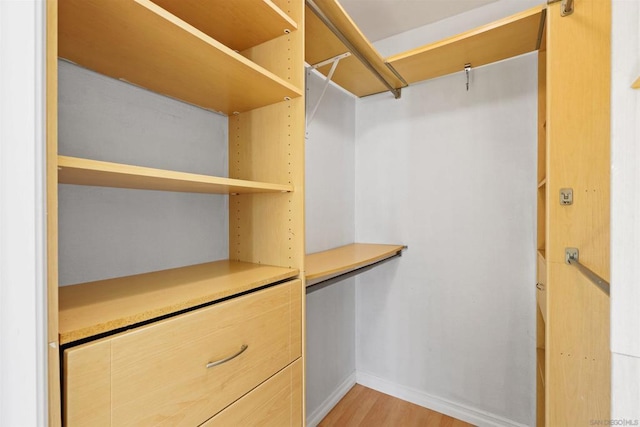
(578, 386)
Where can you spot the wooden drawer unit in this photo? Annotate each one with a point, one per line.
(277, 402)
(158, 374)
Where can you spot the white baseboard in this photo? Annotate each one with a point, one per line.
(314, 419)
(456, 410)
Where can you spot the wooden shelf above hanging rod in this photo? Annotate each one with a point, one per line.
(364, 72)
(322, 266)
(512, 36)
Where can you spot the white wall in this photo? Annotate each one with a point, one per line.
(625, 211)
(109, 232)
(330, 211)
(22, 284)
(451, 174)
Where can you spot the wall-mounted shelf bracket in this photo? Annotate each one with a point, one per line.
(334, 61)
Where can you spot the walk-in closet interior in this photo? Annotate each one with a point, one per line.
(251, 207)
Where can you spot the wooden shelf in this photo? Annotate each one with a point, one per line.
(542, 182)
(505, 38)
(94, 308)
(541, 364)
(238, 24)
(73, 170)
(351, 74)
(542, 255)
(636, 84)
(141, 43)
(321, 266)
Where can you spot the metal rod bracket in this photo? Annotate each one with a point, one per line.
(571, 254)
(567, 8)
(572, 257)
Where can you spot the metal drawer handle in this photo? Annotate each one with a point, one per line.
(226, 359)
(540, 286)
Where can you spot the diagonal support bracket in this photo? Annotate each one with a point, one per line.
(334, 61)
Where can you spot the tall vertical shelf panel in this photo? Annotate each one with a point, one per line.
(541, 261)
(576, 332)
(244, 64)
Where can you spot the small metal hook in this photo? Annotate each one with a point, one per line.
(467, 70)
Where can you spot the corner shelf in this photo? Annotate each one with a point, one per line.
(238, 25)
(139, 42)
(321, 266)
(502, 39)
(351, 74)
(636, 84)
(104, 306)
(73, 170)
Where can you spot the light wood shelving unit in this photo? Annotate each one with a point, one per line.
(249, 66)
(351, 74)
(241, 58)
(636, 84)
(321, 266)
(502, 39)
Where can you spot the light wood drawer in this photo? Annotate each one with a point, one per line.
(157, 374)
(276, 403)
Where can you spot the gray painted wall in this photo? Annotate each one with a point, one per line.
(106, 232)
(451, 174)
(330, 210)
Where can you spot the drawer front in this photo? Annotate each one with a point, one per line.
(158, 374)
(87, 385)
(276, 403)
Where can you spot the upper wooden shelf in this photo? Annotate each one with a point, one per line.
(238, 24)
(321, 266)
(73, 170)
(502, 39)
(351, 74)
(94, 308)
(139, 42)
(636, 84)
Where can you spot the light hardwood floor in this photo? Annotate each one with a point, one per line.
(362, 406)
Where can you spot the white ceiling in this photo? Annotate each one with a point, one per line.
(379, 19)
